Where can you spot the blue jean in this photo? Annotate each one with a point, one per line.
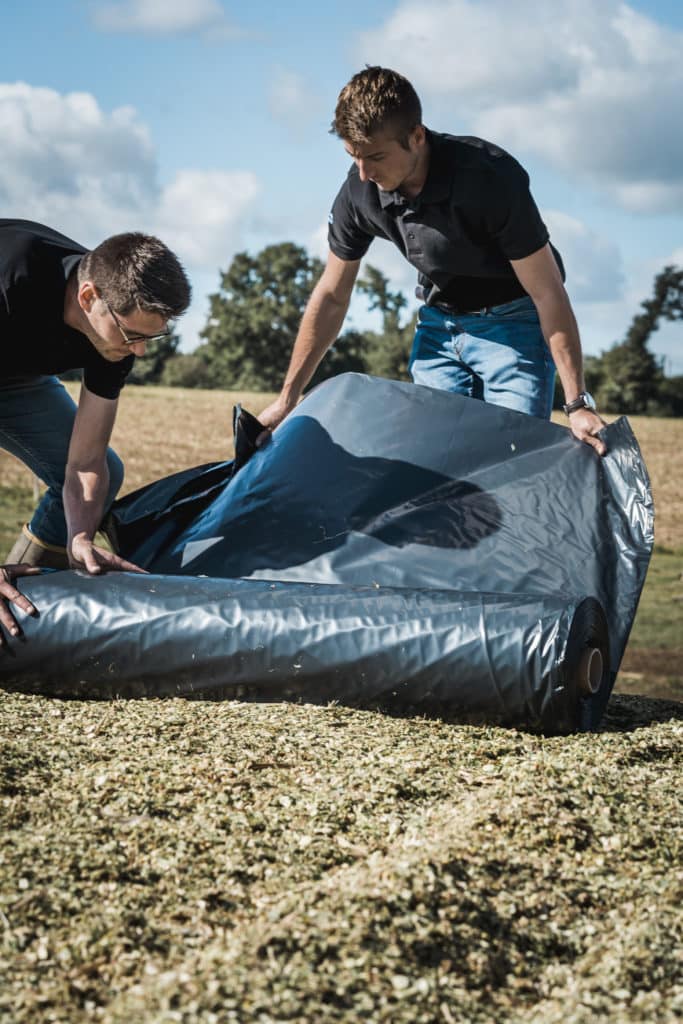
(36, 420)
(498, 354)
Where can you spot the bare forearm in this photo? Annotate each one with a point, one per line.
(562, 336)
(85, 491)
(86, 485)
(540, 276)
(320, 326)
(84, 494)
(561, 333)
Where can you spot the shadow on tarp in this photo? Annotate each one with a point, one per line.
(449, 546)
(391, 500)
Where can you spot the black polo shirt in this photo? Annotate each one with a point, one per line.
(35, 264)
(474, 214)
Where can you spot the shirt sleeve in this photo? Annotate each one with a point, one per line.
(512, 217)
(346, 238)
(104, 378)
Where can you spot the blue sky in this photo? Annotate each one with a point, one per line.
(206, 122)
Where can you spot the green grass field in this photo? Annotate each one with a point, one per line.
(224, 863)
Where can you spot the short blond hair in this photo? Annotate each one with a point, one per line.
(376, 100)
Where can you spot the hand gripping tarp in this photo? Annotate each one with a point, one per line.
(391, 545)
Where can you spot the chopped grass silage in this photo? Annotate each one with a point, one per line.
(172, 861)
(183, 861)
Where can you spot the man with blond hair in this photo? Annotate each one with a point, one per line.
(63, 307)
(496, 320)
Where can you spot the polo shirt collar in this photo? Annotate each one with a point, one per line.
(438, 183)
(387, 198)
(70, 263)
(440, 173)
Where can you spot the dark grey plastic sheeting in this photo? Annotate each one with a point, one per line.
(392, 545)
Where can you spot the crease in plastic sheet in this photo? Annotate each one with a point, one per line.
(392, 544)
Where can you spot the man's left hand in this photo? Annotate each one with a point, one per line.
(585, 425)
(83, 554)
(10, 595)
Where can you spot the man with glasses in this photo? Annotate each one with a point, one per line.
(61, 308)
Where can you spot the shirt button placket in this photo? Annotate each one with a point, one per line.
(412, 244)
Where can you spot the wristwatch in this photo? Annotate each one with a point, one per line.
(584, 401)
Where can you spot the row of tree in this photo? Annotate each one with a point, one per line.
(255, 314)
(253, 321)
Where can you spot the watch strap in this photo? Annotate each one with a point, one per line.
(582, 402)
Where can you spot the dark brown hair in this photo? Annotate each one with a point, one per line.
(136, 271)
(376, 99)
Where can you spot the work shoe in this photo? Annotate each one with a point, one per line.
(32, 551)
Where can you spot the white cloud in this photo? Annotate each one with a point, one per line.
(650, 196)
(593, 263)
(90, 173)
(194, 320)
(458, 46)
(592, 89)
(292, 101)
(69, 163)
(603, 324)
(168, 17)
(200, 214)
(317, 242)
(64, 160)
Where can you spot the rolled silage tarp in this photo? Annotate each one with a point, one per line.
(375, 482)
(372, 485)
(508, 659)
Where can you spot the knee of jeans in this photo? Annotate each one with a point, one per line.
(115, 467)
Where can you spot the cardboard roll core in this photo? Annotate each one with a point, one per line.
(591, 669)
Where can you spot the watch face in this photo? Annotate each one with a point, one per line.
(588, 401)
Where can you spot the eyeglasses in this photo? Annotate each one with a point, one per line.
(131, 339)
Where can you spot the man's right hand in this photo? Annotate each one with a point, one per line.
(83, 554)
(272, 416)
(10, 595)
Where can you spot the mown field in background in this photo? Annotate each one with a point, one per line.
(192, 862)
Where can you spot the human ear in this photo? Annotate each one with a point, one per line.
(87, 294)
